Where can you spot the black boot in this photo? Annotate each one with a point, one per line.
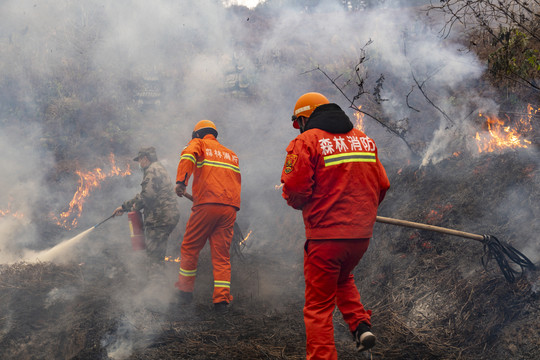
(185, 298)
(363, 336)
(221, 308)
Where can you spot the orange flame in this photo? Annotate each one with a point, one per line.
(359, 120)
(88, 181)
(10, 212)
(436, 216)
(245, 239)
(170, 258)
(503, 136)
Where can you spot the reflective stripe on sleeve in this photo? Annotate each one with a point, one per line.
(222, 283)
(349, 157)
(188, 157)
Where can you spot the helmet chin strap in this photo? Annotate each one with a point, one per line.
(302, 124)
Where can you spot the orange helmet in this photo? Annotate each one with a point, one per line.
(204, 124)
(306, 104)
(204, 127)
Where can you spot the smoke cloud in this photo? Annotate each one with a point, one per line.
(198, 55)
(150, 70)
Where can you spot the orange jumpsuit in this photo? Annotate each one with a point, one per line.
(216, 199)
(333, 174)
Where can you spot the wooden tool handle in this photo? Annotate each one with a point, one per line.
(188, 196)
(416, 225)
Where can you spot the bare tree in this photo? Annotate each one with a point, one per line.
(374, 97)
(508, 29)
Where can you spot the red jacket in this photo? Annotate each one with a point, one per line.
(335, 177)
(216, 175)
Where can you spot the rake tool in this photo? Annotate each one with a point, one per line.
(238, 237)
(504, 253)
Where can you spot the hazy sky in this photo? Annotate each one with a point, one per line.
(247, 3)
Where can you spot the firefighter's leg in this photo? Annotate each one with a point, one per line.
(156, 242)
(321, 272)
(347, 296)
(156, 246)
(220, 244)
(198, 228)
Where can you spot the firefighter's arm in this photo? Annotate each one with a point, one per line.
(384, 183)
(118, 211)
(151, 183)
(297, 175)
(134, 204)
(180, 189)
(186, 166)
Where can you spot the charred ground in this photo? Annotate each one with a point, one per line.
(430, 295)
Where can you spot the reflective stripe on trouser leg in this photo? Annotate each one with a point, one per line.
(220, 244)
(186, 280)
(223, 284)
(198, 229)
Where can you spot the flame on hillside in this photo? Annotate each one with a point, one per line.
(435, 216)
(9, 212)
(359, 124)
(88, 181)
(501, 136)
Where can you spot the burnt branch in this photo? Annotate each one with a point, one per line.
(353, 106)
(421, 88)
(359, 76)
(377, 90)
(407, 100)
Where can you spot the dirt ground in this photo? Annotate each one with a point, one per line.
(430, 295)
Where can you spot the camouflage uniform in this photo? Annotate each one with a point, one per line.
(158, 201)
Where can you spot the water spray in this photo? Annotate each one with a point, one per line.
(57, 250)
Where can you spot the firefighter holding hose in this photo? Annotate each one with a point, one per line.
(216, 199)
(333, 174)
(157, 201)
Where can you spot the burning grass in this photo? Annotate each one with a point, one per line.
(430, 295)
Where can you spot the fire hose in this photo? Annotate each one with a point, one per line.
(110, 217)
(502, 252)
(238, 237)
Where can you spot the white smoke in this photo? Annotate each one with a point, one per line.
(198, 51)
(21, 188)
(202, 53)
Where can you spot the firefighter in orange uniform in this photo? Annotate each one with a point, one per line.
(216, 199)
(333, 174)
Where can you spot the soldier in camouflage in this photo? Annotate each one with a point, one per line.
(158, 201)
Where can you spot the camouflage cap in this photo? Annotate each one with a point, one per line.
(149, 152)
